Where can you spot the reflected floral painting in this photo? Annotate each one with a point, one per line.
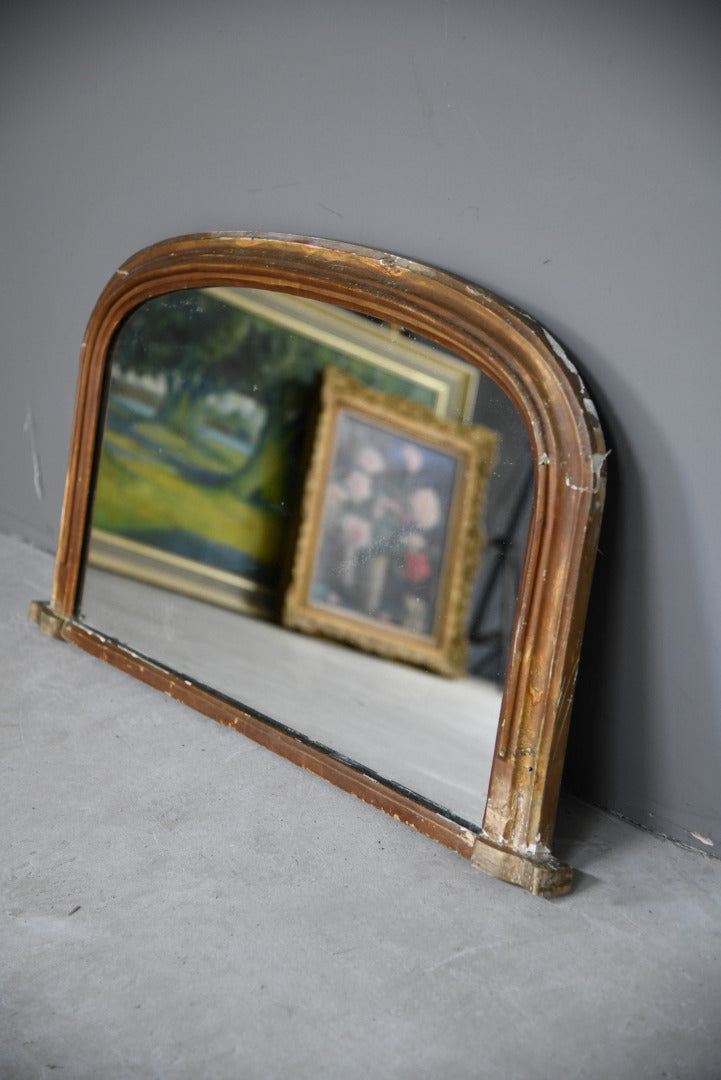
(383, 530)
(390, 536)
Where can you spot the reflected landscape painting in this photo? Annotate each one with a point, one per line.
(209, 400)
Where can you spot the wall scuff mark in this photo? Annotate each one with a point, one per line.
(29, 426)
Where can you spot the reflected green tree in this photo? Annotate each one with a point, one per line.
(197, 347)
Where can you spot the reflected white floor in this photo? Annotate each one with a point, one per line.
(431, 735)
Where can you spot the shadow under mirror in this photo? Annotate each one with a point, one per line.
(211, 406)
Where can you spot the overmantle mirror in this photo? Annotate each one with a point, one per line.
(187, 500)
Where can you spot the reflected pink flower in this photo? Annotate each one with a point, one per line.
(384, 506)
(425, 508)
(358, 486)
(370, 460)
(356, 531)
(335, 495)
(412, 456)
(416, 567)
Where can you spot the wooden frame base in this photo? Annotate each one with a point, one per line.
(538, 872)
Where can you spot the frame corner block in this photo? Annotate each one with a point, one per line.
(49, 621)
(538, 872)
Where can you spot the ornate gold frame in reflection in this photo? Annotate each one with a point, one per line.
(568, 451)
(390, 535)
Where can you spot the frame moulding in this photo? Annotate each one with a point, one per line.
(569, 464)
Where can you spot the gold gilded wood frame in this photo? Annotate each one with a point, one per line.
(470, 450)
(568, 452)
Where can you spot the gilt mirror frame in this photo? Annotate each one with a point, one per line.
(568, 452)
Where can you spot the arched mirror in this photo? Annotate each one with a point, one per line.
(348, 505)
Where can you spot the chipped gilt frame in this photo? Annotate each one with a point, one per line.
(568, 452)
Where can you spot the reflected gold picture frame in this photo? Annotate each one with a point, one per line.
(390, 532)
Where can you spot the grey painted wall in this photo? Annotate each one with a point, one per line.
(565, 154)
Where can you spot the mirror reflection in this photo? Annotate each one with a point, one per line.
(210, 400)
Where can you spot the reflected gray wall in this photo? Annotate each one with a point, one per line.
(565, 154)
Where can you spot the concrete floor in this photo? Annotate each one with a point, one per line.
(177, 902)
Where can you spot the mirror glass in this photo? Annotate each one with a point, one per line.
(210, 397)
